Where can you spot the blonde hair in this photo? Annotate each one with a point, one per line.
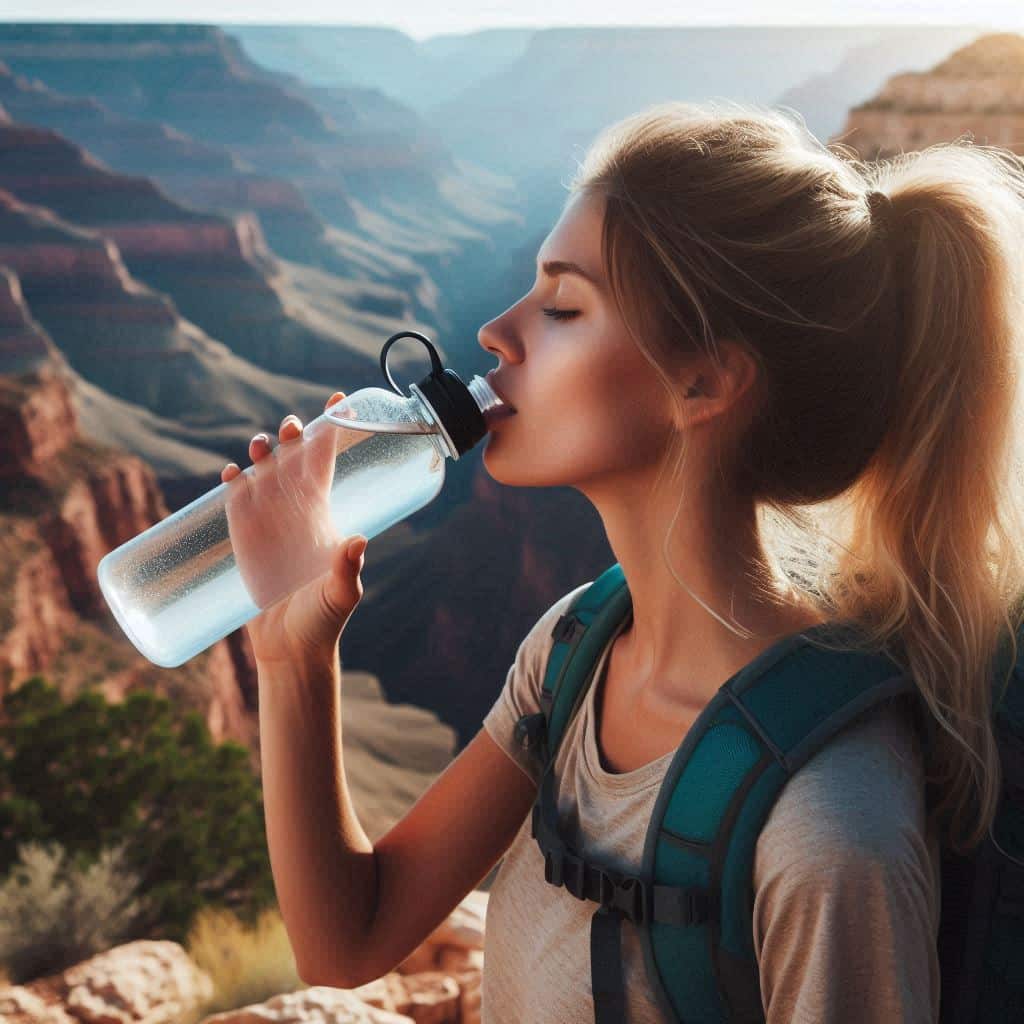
(883, 449)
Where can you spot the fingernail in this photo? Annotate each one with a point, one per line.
(265, 438)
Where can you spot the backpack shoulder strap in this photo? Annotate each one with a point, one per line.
(579, 636)
(757, 731)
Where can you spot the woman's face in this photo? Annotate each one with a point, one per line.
(591, 411)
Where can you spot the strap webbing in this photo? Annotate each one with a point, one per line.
(631, 896)
(619, 895)
(606, 966)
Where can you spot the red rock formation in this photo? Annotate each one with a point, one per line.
(32, 102)
(129, 340)
(354, 152)
(38, 166)
(36, 423)
(241, 239)
(67, 502)
(200, 174)
(36, 613)
(218, 270)
(977, 89)
(84, 268)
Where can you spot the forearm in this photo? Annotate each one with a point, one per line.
(322, 860)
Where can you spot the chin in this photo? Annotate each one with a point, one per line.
(513, 472)
(492, 462)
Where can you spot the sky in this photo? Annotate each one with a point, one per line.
(421, 20)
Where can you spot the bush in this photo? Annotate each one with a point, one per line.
(246, 965)
(54, 915)
(92, 775)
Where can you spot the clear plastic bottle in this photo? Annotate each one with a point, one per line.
(370, 461)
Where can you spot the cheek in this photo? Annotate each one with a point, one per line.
(604, 423)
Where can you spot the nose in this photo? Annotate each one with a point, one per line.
(494, 337)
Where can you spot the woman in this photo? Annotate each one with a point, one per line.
(827, 356)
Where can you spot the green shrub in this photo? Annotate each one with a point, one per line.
(91, 775)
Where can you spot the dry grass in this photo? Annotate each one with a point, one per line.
(246, 965)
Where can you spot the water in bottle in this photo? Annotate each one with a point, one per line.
(368, 462)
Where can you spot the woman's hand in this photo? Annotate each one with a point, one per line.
(288, 552)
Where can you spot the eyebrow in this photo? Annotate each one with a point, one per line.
(555, 267)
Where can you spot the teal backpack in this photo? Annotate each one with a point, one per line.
(692, 901)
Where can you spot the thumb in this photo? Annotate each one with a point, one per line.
(343, 587)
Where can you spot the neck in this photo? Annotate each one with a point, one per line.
(682, 644)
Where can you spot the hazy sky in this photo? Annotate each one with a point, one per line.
(421, 20)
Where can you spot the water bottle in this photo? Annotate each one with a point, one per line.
(368, 462)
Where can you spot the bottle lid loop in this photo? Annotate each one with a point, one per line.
(435, 359)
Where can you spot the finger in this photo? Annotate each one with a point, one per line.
(229, 472)
(291, 428)
(259, 447)
(336, 397)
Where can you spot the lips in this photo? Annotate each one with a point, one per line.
(493, 416)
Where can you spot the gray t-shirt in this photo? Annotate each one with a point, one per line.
(846, 880)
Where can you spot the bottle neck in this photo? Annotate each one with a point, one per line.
(483, 394)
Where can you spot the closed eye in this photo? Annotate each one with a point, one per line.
(560, 314)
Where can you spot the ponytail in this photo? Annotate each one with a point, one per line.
(938, 515)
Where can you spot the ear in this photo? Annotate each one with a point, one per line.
(711, 387)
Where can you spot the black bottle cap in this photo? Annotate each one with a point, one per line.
(448, 397)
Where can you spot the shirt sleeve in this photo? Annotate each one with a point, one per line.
(847, 883)
(521, 693)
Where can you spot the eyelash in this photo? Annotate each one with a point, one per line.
(560, 314)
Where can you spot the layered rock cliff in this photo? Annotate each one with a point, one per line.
(66, 502)
(218, 270)
(825, 98)
(196, 78)
(978, 89)
(130, 340)
(401, 208)
(195, 172)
